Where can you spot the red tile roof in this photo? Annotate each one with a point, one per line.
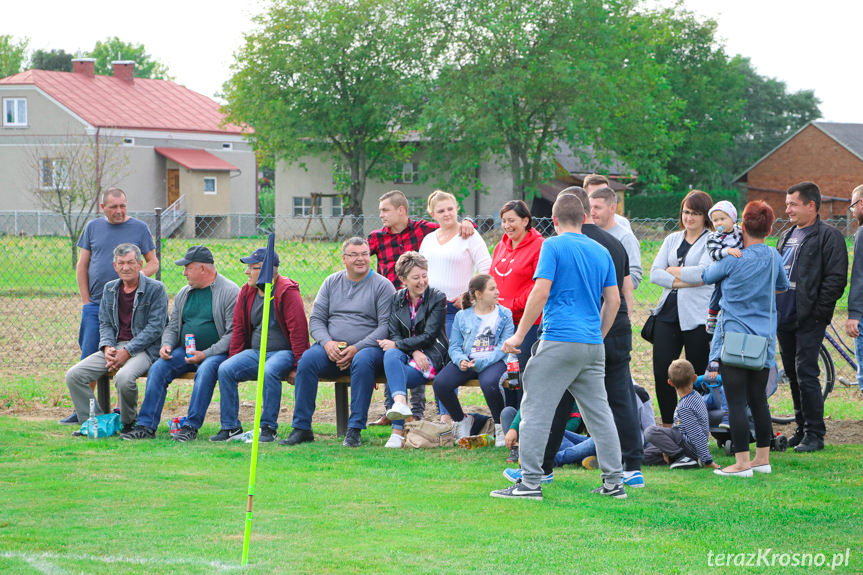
(108, 102)
(196, 159)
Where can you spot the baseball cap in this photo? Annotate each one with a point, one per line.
(199, 254)
(258, 256)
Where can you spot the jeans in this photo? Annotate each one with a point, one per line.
(88, 333)
(315, 363)
(164, 371)
(244, 367)
(451, 378)
(573, 449)
(400, 376)
(858, 352)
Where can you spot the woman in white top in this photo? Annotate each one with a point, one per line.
(452, 260)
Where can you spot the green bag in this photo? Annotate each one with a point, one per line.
(744, 350)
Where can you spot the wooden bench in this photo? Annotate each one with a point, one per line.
(342, 387)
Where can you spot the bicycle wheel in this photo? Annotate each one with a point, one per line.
(779, 412)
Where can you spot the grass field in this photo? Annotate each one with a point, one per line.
(77, 506)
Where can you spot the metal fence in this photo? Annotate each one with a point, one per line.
(40, 306)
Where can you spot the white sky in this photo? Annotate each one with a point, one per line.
(808, 45)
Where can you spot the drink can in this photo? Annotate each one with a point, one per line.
(190, 344)
(175, 425)
(342, 345)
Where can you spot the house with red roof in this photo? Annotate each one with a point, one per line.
(178, 153)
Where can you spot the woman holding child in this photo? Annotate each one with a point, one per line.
(749, 286)
(417, 347)
(477, 337)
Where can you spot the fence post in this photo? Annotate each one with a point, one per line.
(158, 242)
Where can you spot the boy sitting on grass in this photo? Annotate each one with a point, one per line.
(685, 443)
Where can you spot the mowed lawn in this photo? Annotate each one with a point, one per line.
(79, 506)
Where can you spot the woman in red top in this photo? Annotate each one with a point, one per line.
(512, 266)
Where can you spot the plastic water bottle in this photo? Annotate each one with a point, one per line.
(475, 441)
(175, 426)
(512, 372)
(92, 426)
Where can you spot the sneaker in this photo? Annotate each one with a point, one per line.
(724, 423)
(683, 463)
(519, 491)
(514, 475)
(810, 443)
(139, 432)
(127, 428)
(268, 434)
(462, 428)
(795, 439)
(617, 491)
(499, 436)
(71, 420)
(228, 434)
(513, 455)
(298, 436)
(185, 434)
(78, 434)
(710, 326)
(352, 438)
(636, 479)
(395, 441)
(399, 412)
(590, 462)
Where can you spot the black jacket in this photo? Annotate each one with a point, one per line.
(822, 271)
(429, 325)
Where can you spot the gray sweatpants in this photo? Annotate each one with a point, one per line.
(555, 368)
(91, 368)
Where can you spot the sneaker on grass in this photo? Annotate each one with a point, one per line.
(514, 475)
(228, 434)
(71, 420)
(187, 433)
(139, 432)
(352, 438)
(399, 412)
(127, 427)
(633, 479)
(519, 491)
(395, 441)
(268, 434)
(617, 491)
(462, 428)
(683, 463)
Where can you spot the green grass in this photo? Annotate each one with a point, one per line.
(72, 505)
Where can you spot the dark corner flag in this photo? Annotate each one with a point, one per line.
(265, 282)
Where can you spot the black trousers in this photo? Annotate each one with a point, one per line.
(669, 342)
(747, 387)
(799, 346)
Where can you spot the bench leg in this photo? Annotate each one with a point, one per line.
(103, 393)
(342, 408)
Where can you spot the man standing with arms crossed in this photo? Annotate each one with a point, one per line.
(95, 265)
(855, 292)
(575, 277)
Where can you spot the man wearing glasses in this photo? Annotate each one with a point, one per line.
(287, 340)
(351, 313)
(855, 292)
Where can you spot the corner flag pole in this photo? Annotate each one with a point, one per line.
(265, 279)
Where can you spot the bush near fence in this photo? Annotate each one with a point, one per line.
(657, 206)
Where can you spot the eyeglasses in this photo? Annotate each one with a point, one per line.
(851, 207)
(253, 267)
(355, 256)
(691, 213)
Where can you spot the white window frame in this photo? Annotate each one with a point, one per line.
(215, 189)
(409, 173)
(16, 122)
(337, 210)
(301, 206)
(57, 165)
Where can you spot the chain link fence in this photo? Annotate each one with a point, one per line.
(41, 307)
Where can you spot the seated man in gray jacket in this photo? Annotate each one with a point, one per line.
(205, 309)
(132, 315)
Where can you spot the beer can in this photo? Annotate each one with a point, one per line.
(190, 344)
(342, 345)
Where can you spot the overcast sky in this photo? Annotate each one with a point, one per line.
(808, 45)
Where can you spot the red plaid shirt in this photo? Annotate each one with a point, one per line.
(388, 246)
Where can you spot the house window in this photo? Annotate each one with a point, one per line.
(128, 141)
(338, 209)
(14, 111)
(407, 173)
(209, 185)
(53, 174)
(303, 206)
(417, 207)
(227, 146)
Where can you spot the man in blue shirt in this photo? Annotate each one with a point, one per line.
(576, 291)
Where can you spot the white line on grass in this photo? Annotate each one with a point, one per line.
(38, 560)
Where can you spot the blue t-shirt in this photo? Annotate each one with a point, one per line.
(101, 237)
(579, 269)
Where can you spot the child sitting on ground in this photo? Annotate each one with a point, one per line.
(685, 444)
(726, 240)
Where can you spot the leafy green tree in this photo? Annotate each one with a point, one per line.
(333, 79)
(11, 55)
(58, 60)
(115, 49)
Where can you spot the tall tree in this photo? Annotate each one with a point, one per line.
(115, 49)
(58, 60)
(331, 78)
(11, 55)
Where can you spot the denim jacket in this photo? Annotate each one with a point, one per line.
(464, 329)
(149, 315)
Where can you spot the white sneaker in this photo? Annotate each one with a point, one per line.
(395, 441)
(462, 428)
(399, 412)
(499, 436)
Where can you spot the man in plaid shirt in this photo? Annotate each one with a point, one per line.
(399, 235)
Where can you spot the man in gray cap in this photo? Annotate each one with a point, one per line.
(205, 309)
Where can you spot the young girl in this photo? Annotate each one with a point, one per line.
(478, 332)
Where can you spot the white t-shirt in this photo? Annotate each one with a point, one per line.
(483, 343)
(452, 264)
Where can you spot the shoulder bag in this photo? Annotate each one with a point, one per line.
(744, 349)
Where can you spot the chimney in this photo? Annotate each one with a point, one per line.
(124, 70)
(85, 66)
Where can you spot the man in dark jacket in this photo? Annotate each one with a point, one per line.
(816, 262)
(855, 292)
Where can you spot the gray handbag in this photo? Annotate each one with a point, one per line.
(744, 349)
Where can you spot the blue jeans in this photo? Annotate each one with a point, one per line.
(858, 352)
(88, 333)
(400, 376)
(315, 363)
(244, 367)
(164, 371)
(573, 449)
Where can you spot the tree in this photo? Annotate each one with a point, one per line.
(115, 49)
(332, 79)
(70, 174)
(11, 55)
(58, 60)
